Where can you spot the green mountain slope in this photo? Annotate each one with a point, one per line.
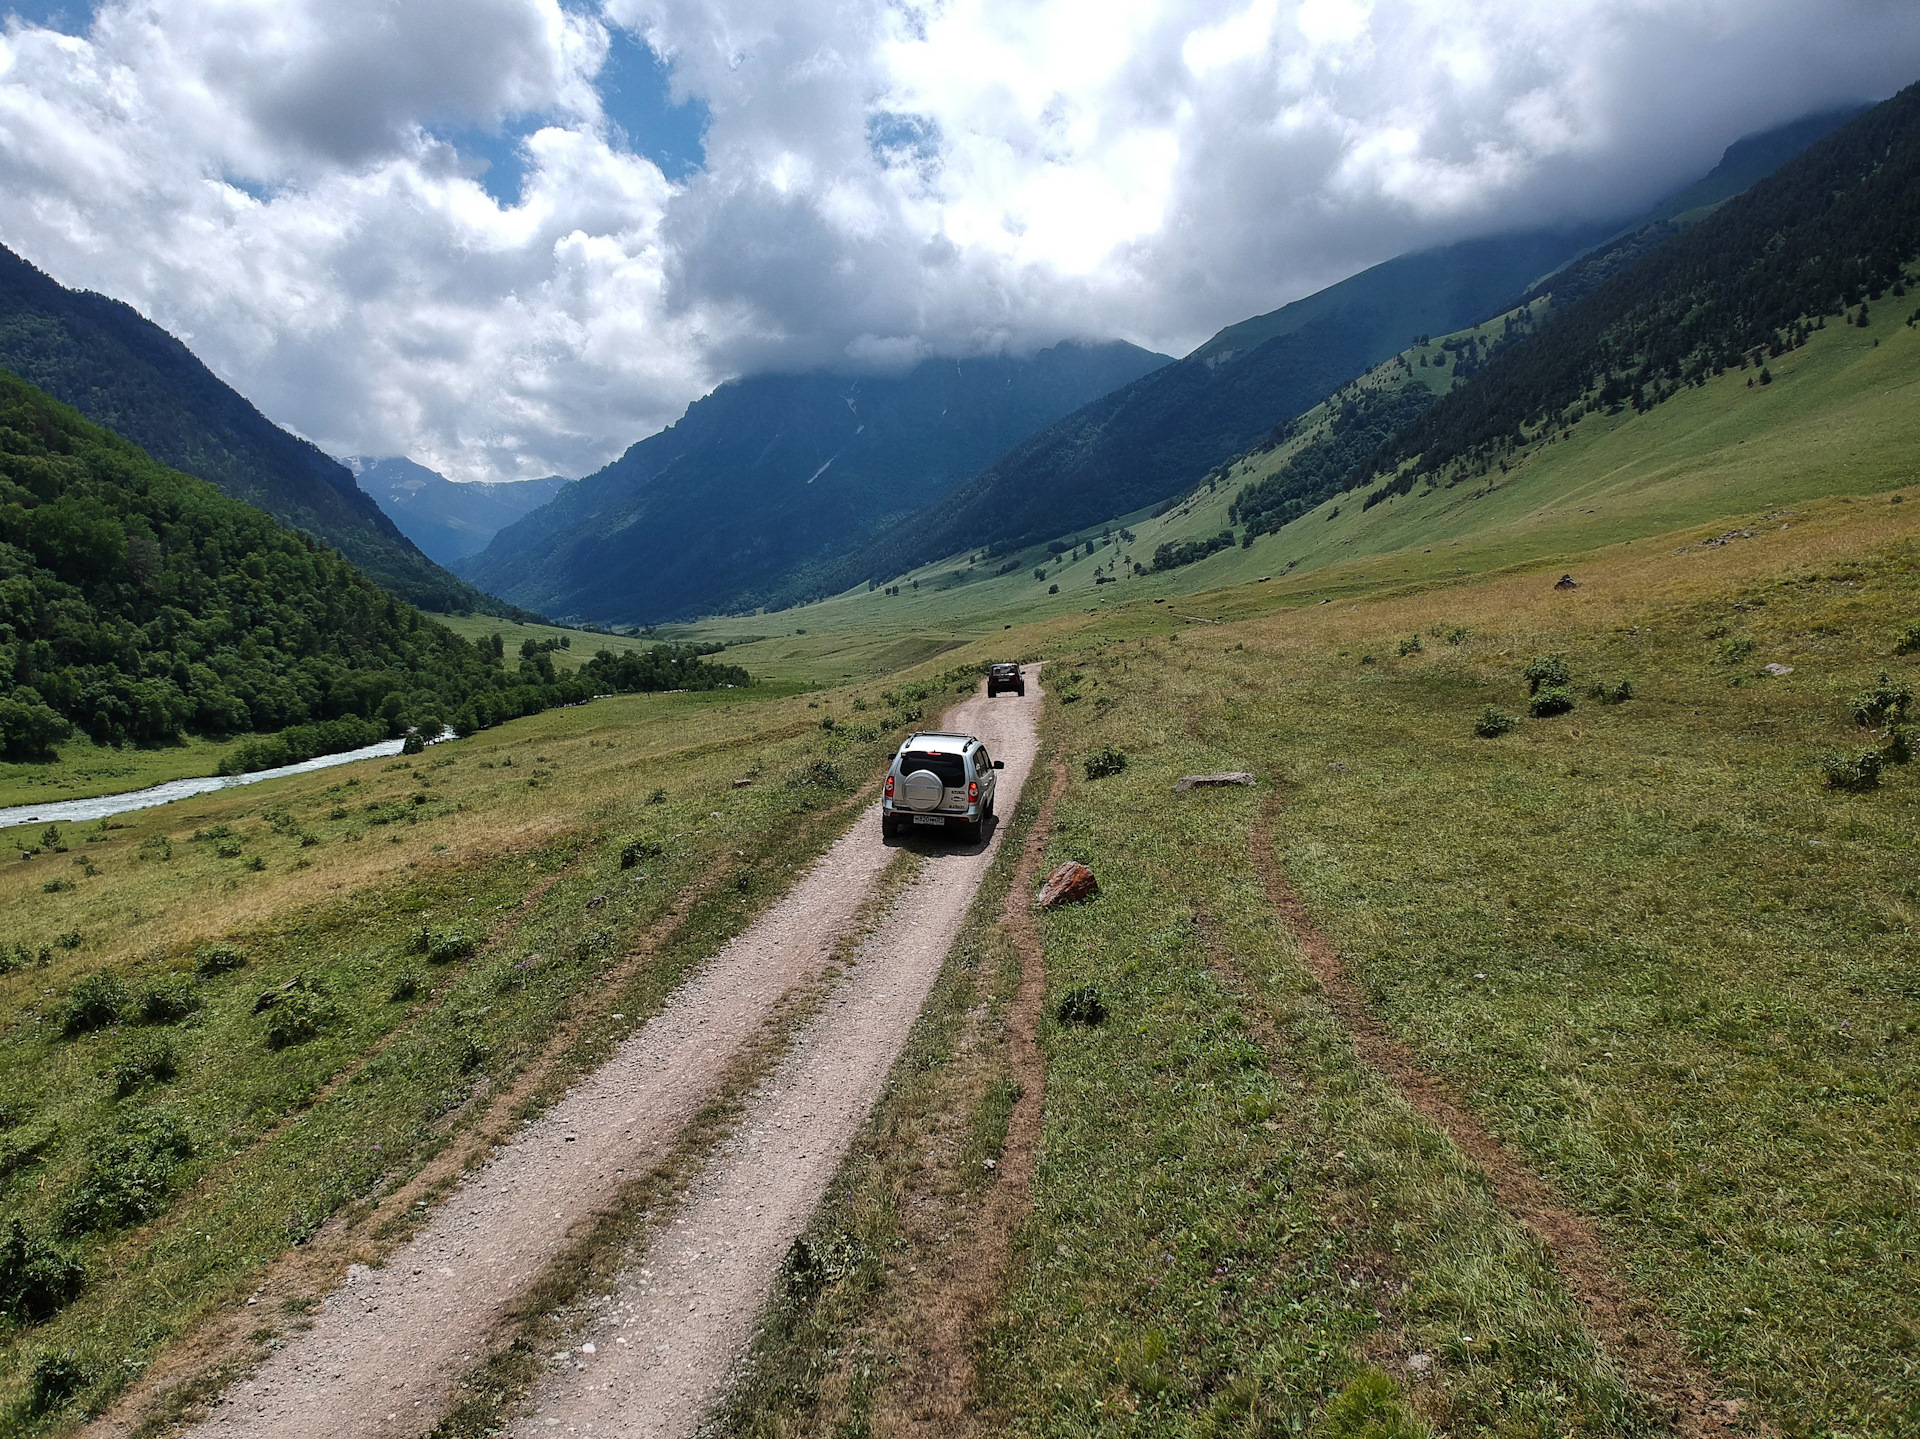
(140, 605)
(1138, 445)
(772, 476)
(124, 372)
(448, 521)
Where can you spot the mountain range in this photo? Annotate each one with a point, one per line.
(448, 521)
(774, 476)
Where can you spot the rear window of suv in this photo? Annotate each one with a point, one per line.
(950, 768)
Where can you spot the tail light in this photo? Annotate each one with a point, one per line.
(973, 790)
(889, 786)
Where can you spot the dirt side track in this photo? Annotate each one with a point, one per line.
(386, 1349)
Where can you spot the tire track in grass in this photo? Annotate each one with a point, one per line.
(936, 1401)
(1625, 1324)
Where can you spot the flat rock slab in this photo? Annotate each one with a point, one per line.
(1069, 884)
(1210, 781)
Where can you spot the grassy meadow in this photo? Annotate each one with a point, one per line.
(1651, 951)
(229, 1022)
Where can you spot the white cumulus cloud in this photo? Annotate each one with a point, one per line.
(295, 187)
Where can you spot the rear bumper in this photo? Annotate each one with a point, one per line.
(893, 811)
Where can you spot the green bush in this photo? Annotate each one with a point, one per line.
(1548, 702)
(168, 1001)
(1899, 745)
(408, 984)
(1082, 1006)
(1855, 772)
(228, 848)
(658, 796)
(1735, 650)
(57, 1376)
(1909, 641)
(96, 1001)
(636, 850)
(818, 774)
(219, 959)
(156, 847)
(1493, 723)
(454, 944)
(149, 1060)
(1888, 702)
(1457, 635)
(299, 1014)
(1411, 647)
(58, 886)
(1547, 672)
(38, 1275)
(1612, 692)
(130, 1176)
(1105, 761)
(1371, 1407)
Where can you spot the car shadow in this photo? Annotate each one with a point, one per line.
(932, 842)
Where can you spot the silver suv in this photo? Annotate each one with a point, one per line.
(940, 781)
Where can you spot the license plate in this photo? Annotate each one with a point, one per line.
(929, 819)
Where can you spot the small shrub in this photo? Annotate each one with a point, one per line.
(414, 743)
(408, 984)
(156, 847)
(1899, 745)
(1549, 702)
(1733, 651)
(1547, 672)
(69, 940)
(1854, 773)
(1457, 635)
(1909, 641)
(1612, 692)
(168, 1001)
(1105, 761)
(1411, 647)
(300, 1015)
(1493, 723)
(130, 1176)
(255, 863)
(58, 886)
(1371, 1407)
(1886, 703)
(219, 959)
(57, 1376)
(637, 850)
(818, 774)
(149, 1060)
(1082, 1006)
(98, 1000)
(454, 944)
(228, 847)
(659, 796)
(38, 1275)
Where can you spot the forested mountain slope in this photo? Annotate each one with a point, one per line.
(448, 520)
(124, 372)
(141, 604)
(771, 474)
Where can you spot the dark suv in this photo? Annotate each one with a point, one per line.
(1005, 677)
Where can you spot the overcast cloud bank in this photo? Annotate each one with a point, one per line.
(296, 188)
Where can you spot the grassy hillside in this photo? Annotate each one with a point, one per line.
(1838, 418)
(1662, 964)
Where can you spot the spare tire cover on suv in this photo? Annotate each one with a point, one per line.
(920, 790)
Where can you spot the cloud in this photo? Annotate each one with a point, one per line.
(301, 190)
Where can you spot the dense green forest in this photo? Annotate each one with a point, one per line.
(139, 604)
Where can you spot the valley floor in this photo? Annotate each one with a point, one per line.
(1667, 981)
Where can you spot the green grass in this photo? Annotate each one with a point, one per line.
(324, 882)
(1674, 972)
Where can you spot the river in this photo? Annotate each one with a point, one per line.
(76, 811)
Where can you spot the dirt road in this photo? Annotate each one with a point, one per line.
(386, 1348)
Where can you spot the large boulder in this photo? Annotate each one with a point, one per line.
(1207, 781)
(1071, 883)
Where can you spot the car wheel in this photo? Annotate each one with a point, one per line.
(1022, 691)
(889, 827)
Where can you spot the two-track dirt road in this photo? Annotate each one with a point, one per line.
(386, 1348)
